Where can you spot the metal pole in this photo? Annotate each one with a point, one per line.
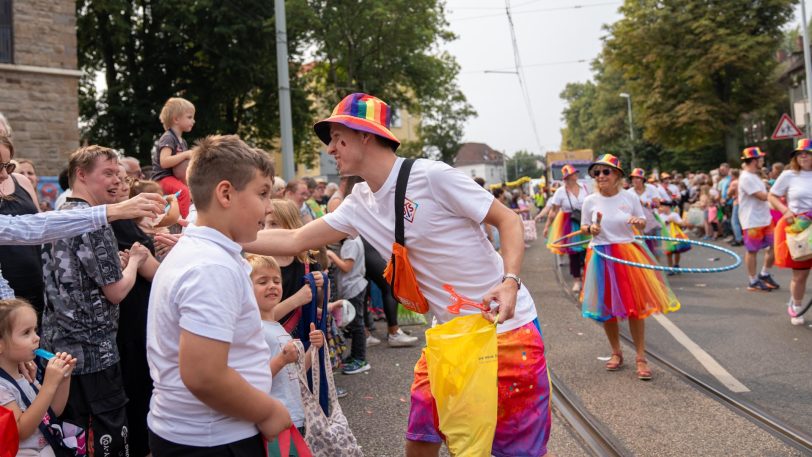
(807, 69)
(631, 128)
(286, 124)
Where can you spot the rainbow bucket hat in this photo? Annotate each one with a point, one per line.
(752, 153)
(567, 170)
(362, 112)
(638, 173)
(804, 145)
(609, 160)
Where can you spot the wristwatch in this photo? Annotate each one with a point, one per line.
(513, 277)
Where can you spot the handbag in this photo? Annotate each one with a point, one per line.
(575, 214)
(327, 436)
(65, 439)
(530, 230)
(289, 444)
(399, 272)
(799, 245)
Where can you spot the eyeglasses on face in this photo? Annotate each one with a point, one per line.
(9, 166)
(604, 171)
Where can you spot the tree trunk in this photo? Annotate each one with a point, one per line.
(732, 146)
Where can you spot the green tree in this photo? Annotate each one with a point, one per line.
(219, 54)
(524, 163)
(695, 67)
(389, 48)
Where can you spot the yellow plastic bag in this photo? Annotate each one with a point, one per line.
(462, 366)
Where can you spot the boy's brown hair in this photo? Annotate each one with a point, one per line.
(140, 186)
(217, 158)
(85, 159)
(173, 108)
(7, 309)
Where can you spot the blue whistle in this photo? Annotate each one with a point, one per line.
(44, 354)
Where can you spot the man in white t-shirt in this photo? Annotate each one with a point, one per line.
(756, 222)
(442, 215)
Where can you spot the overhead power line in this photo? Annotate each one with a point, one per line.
(540, 10)
(520, 75)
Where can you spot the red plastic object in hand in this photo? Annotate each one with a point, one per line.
(458, 301)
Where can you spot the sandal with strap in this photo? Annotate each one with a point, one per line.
(615, 362)
(643, 374)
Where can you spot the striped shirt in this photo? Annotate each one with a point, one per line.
(33, 229)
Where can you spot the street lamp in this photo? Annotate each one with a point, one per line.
(631, 123)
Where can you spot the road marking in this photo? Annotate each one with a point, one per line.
(703, 357)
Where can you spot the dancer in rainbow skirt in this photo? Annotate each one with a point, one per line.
(650, 198)
(671, 227)
(564, 219)
(614, 291)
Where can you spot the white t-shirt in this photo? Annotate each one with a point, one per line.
(203, 287)
(650, 192)
(286, 382)
(672, 216)
(560, 200)
(753, 212)
(662, 194)
(797, 186)
(442, 214)
(616, 211)
(352, 283)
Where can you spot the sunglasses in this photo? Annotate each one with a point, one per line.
(9, 166)
(605, 172)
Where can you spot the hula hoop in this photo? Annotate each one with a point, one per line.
(737, 260)
(804, 310)
(555, 244)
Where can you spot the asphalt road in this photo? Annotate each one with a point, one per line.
(748, 333)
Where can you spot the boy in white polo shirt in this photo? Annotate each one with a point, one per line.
(442, 213)
(205, 346)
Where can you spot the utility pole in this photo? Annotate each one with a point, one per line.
(807, 70)
(286, 124)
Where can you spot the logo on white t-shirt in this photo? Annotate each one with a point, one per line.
(409, 210)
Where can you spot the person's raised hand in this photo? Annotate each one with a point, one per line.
(316, 337)
(138, 253)
(142, 205)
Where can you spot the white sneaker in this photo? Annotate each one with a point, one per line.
(797, 320)
(576, 287)
(400, 339)
(372, 341)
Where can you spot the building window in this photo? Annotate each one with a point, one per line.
(6, 32)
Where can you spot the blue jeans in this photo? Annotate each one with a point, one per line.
(735, 225)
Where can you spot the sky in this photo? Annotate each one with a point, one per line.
(557, 40)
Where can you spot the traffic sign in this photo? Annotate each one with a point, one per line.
(786, 129)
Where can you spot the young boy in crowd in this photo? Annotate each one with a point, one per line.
(205, 346)
(353, 287)
(171, 155)
(267, 279)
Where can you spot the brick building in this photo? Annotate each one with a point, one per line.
(39, 79)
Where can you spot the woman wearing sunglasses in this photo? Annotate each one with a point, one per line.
(613, 291)
(21, 265)
(795, 184)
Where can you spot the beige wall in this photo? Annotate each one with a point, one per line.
(39, 91)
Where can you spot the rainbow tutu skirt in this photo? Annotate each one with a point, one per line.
(673, 230)
(563, 225)
(616, 291)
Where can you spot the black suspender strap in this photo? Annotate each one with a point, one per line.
(400, 199)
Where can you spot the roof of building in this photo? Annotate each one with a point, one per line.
(477, 153)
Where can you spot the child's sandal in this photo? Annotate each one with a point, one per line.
(643, 374)
(615, 362)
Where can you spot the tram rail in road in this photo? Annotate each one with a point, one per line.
(776, 427)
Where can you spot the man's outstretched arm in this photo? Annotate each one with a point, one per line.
(313, 235)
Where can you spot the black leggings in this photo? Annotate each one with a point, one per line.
(375, 265)
(577, 264)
